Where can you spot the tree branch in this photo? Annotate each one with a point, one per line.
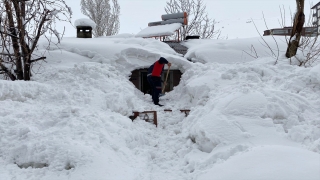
(38, 59)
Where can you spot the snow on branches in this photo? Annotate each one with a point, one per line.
(23, 23)
(105, 15)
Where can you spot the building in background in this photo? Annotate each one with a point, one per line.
(84, 27)
(316, 16)
(306, 31)
(286, 31)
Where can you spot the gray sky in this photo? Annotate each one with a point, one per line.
(234, 16)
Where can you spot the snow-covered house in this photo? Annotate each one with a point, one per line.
(171, 24)
(84, 27)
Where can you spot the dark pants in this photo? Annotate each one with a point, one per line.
(149, 79)
(155, 83)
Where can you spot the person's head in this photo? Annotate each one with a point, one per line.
(162, 58)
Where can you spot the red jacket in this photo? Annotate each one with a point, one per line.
(158, 67)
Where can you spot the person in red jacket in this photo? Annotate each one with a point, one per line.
(154, 78)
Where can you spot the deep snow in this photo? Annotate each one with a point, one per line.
(249, 119)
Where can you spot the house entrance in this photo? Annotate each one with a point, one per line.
(145, 87)
(139, 79)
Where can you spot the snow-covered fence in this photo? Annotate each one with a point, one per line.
(148, 116)
(151, 116)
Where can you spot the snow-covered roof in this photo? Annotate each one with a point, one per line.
(132, 53)
(85, 22)
(161, 30)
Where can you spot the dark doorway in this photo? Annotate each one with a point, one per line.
(145, 87)
(139, 79)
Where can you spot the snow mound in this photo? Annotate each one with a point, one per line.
(267, 162)
(227, 100)
(85, 22)
(250, 104)
(229, 51)
(123, 35)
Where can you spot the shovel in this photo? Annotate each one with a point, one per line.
(165, 82)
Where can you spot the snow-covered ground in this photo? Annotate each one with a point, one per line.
(250, 119)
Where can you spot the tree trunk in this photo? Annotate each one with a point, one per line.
(26, 55)
(15, 43)
(27, 68)
(296, 30)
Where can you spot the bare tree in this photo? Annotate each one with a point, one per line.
(308, 49)
(23, 22)
(199, 22)
(298, 22)
(105, 16)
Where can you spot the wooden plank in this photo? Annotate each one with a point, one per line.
(147, 118)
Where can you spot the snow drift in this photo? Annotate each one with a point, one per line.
(71, 121)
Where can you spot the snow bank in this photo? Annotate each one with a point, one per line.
(64, 122)
(315, 74)
(123, 35)
(224, 98)
(267, 162)
(234, 50)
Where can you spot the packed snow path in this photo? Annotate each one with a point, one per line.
(166, 148)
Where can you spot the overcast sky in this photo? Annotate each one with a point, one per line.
(234, 16)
